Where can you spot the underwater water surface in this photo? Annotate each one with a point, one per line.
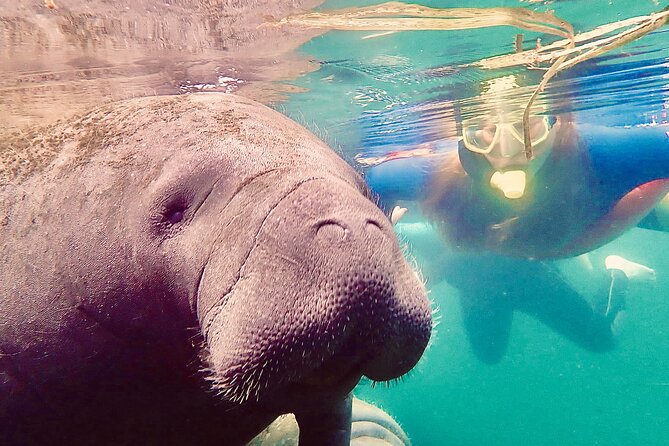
(389, 91)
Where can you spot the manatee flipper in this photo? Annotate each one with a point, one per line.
(329, 425)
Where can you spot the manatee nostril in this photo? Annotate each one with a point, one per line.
(331, 230)
(372, 225)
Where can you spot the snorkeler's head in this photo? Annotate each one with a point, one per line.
(493, 143)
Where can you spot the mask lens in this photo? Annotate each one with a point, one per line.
(479, 137)
(538, 129)
(518, 129)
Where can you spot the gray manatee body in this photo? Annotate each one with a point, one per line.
(184, 269)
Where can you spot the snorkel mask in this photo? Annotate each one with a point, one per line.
(496, 146)
(506, 137)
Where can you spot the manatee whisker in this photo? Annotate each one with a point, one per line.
(246, 381)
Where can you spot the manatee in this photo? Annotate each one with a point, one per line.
(185, 269)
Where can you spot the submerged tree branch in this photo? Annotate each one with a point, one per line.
(397, 16)
(564, 54)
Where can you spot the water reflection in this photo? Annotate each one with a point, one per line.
(55, 62)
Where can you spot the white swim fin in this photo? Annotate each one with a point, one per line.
(633, 271)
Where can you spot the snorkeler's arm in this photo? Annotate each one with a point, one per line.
(627, 157)
(418, 179)
(400, 179)
(632, 165)
(658, 218)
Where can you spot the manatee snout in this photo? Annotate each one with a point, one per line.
(333, 299)
(366, 297)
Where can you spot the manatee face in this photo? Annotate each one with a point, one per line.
(207, 256)
(322, 274)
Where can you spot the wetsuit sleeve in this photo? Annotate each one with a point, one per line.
(400, 179)
(624, 158)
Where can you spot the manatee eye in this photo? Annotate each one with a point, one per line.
(175, 216)
(174, 200)
(171, 213)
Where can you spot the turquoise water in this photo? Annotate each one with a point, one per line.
(546, 390)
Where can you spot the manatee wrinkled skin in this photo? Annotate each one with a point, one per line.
(184, 269)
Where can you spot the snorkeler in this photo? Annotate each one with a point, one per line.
(504, 215)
